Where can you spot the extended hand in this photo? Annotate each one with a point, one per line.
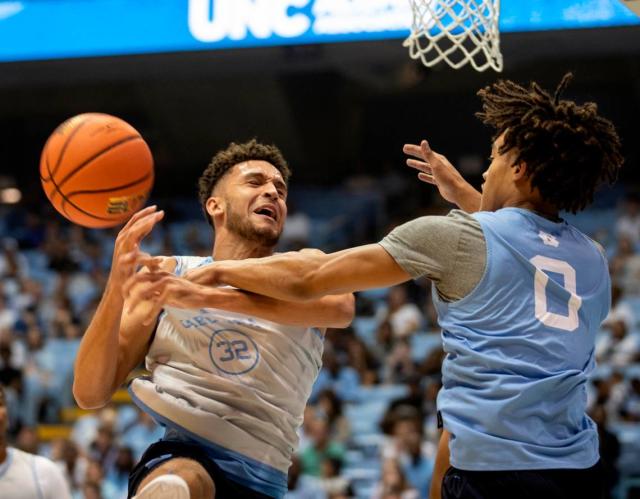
(126, 253)
(204, 275)
(435, 169)
(164, 289)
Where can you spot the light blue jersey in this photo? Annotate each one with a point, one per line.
(520, 347)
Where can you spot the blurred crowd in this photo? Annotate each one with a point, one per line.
(370, 427)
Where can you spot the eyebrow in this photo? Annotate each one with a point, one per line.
(260, 175)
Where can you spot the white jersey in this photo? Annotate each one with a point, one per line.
(236, 383)
(25, 476)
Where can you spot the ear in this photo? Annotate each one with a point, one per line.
(520, 171)
(215, 207)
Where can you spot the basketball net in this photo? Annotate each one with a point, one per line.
(457, 32)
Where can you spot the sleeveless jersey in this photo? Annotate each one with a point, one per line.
(520, 346)
(26, 476)
(235, 383)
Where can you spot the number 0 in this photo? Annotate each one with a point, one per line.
(566, 322)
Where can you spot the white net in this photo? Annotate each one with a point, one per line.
(457, 32)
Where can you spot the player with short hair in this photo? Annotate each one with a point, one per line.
(231, 371)
(520, 294)
(23, 475)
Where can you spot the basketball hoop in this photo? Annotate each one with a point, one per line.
(457, 32)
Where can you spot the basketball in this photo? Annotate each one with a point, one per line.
(96, 170)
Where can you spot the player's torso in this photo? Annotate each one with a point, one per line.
(235, 380)
(520, 345)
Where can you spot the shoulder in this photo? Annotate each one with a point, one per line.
(46, 466)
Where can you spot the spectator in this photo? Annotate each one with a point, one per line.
(103, 448)
(297, 230)
(403, 317)
(414, 397)
(24, 475)
(343, 380)
(363, 361)
(628, 224)
(617, 348)
(301, 486)
(142, 434)
(406, 445)
(394, 484)
(399, 366)
(322, 447)
(332, 482)
(118, 475)
(630, 407)
(330, 407)
(73, 465)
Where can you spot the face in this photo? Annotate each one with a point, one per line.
(499, 178)
(252, 197)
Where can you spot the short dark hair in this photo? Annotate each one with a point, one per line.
(234, 154)
(569, 149)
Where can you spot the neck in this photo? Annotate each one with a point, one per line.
(3, 451)
(543, 209)
(231, 247)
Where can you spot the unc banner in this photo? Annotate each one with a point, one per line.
(49, 29)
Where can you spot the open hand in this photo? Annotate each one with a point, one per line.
(435, 169)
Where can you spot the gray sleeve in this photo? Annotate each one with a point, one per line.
(450, 250)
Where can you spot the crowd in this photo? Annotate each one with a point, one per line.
(370, 427)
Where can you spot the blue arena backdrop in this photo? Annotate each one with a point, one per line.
(52, 29)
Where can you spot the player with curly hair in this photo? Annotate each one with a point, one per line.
(230, 371)
(520, 295)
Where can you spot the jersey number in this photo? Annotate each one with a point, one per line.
(566, 322)
(234, 350)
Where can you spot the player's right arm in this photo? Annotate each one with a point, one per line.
(115, 342)
(436, 169)
(441, 466)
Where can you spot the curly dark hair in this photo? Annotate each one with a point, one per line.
(568, 148)
(234, 154)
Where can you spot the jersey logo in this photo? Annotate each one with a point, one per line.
(548, 239)
(233, 352)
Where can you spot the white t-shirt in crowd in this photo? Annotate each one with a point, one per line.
(26, 476)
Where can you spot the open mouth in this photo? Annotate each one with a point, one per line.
(267, 211)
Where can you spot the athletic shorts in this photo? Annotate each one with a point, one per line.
(525, 484)
(162, 451)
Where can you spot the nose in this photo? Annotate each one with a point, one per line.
(270, 190)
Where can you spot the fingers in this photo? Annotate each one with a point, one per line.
(143, 225)
(425, 148)
(139, 214)
(422, 166)
(425, 177)
(413, 150)
(421, 151)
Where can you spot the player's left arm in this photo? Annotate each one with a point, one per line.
(292, 277)
(307, 275)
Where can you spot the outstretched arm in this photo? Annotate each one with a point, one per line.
(306, 275)
(166, 289)
(436, 169)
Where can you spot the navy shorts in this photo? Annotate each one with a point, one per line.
(162, 451)
(525, 484)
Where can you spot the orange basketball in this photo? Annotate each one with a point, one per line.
(96, 170)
